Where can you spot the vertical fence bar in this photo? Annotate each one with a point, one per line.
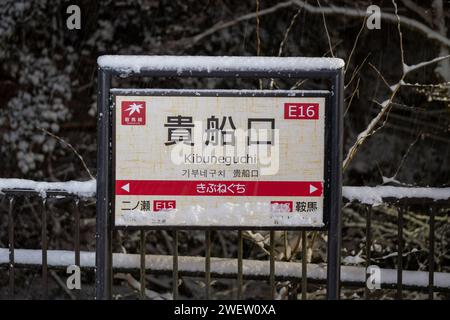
(103, 229)
(175, 266)
(77, 232)
(272, 263)
(11, 247)
(239, 265)
(304, 266)
(368, 245)
(431, 255)
(400, 252)
(44, 247)
(142, 273)
(335, 196)
(207, 264)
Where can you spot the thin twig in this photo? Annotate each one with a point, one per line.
(62, 285)
(354, 45)
(351, 97)
(71, 148)
(326, 31)
(258, 39)
(380, 75)
(406, 155)
(288, 30)
(283, 42)
(357, 70)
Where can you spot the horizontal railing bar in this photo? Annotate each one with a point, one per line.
(402, 201)
(80, 188)
(47, 193)
(225, 268)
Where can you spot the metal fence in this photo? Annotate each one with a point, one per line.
(301, 275)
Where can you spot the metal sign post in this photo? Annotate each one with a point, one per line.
(141, 186)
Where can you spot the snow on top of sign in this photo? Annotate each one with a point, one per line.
(223, 266)
(375, 195)
(181, 64)
(218, 92)
(80, 188)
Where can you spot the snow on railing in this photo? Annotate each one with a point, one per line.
(366, 195)
(209, 64)
(377, 195)
(79, 188)
(222, 267)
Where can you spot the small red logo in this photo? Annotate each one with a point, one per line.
(301, 111)
(281, 206)
(133, 113)
(160, 205)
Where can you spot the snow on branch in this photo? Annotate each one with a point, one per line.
(224, 267)
(407, 69)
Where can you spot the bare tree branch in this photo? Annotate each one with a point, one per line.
(223, 25)
(387, 104)
(330, 10)
(389, 17)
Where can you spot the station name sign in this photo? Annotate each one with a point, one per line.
(219, 158)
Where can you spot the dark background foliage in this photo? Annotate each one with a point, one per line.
(47, 78)
(48, 83)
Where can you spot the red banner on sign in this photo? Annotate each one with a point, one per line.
(219, 188)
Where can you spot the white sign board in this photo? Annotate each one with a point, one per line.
(198, 159)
